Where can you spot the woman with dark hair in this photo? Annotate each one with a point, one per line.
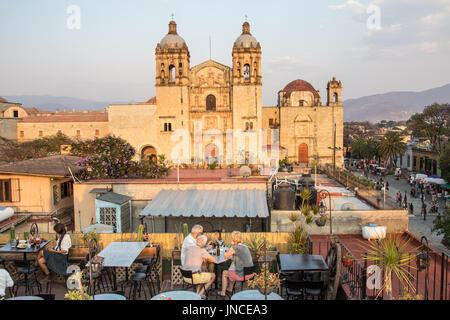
(55, 259)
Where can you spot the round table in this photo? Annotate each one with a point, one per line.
(109, 296)
(178, 295)
(254, 295)
(26, 298)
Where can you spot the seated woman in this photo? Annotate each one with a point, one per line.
(241, 257)
(55, 259)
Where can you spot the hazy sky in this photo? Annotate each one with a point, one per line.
(111, 57)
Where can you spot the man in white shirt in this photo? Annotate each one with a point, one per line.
(5, 282)
(190, 241)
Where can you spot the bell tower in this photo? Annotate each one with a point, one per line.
(172, 59)
(334, 92)
(247, 87)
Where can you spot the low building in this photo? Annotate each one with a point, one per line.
(41, 188)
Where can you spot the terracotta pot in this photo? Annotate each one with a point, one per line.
(347, 262)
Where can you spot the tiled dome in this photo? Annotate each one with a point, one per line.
(172, 40)
(300, 85)
(246, 40)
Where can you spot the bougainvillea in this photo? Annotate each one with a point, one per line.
(111, 157)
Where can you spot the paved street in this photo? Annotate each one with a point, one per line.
(417, 225)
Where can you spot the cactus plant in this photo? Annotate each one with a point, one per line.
(140, 232)
(185, 230)
(12, 233)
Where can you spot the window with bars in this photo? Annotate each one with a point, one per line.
(109, 216)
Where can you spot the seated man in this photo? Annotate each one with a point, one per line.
(193, 262)
(190, 241)
(5, 282)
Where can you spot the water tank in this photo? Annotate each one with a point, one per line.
(6, 213)
(284, 197)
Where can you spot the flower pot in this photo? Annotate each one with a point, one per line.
(321, 222)
(347, 262)
(269, 290)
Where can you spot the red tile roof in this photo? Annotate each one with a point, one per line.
(93, 116)
(300, 85)
(152, 100)
(3, 100)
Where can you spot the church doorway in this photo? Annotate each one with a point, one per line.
(211, 153)
(149, 154)
(303, 153)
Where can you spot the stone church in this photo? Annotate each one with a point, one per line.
(212, 98)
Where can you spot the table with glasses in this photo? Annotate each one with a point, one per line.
(220, 260)
(254, 295)
(109, 296)
(121, 254)
(177, 295)
(33, 249)
(26, 298)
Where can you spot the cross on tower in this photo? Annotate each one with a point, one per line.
(172, 16)
(246, 18)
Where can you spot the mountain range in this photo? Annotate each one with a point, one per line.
(400, 105)
(397, 106)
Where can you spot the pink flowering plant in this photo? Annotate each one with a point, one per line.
(111, 157)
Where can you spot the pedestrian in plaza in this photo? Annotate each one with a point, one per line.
(387, 185)
(411, 209)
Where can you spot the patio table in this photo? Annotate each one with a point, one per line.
(35, 249)
(220, 260)
(109, 296)
(26, 298)
(302, 262)
(254, 295)
(178, 295)
(121, 254)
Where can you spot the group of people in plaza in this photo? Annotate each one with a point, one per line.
(52, 259)
(195, 258)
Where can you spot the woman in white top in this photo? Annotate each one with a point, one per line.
(56, 259)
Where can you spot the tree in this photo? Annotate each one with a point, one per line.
(111, 157)
(433, 124)
(11, 151)
(444, 163)
(442, 227)
(391, 146)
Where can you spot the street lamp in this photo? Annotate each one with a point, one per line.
(323, 194)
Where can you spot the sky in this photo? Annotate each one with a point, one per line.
(371, 46)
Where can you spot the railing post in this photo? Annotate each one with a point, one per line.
(442, 276)
(364, 280)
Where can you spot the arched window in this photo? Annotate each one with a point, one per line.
(246, 72)
(180, 69)
(171, 73)
(149, 154)
(210, 103)
(335, 97)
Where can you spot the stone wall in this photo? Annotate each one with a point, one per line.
(345, 222)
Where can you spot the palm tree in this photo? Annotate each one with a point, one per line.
(392, 257)
(391, 146)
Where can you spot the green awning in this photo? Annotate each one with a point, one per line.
(446, 186)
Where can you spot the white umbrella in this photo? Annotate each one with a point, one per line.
(421, 176)
(438, 181)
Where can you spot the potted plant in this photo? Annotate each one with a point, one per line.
(347, 260)
(81, 292)
(392, 256)
(322, 220)
(265, 282)
(256, 245)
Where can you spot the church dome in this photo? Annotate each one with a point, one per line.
(300, 85)
(172, 40)
(246, 40)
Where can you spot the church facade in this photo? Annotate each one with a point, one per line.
(211, 100)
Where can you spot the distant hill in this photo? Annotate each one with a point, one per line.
(393, 105)
(51, 103)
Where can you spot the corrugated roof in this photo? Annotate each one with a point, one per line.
(209, 203)
(114, 198)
